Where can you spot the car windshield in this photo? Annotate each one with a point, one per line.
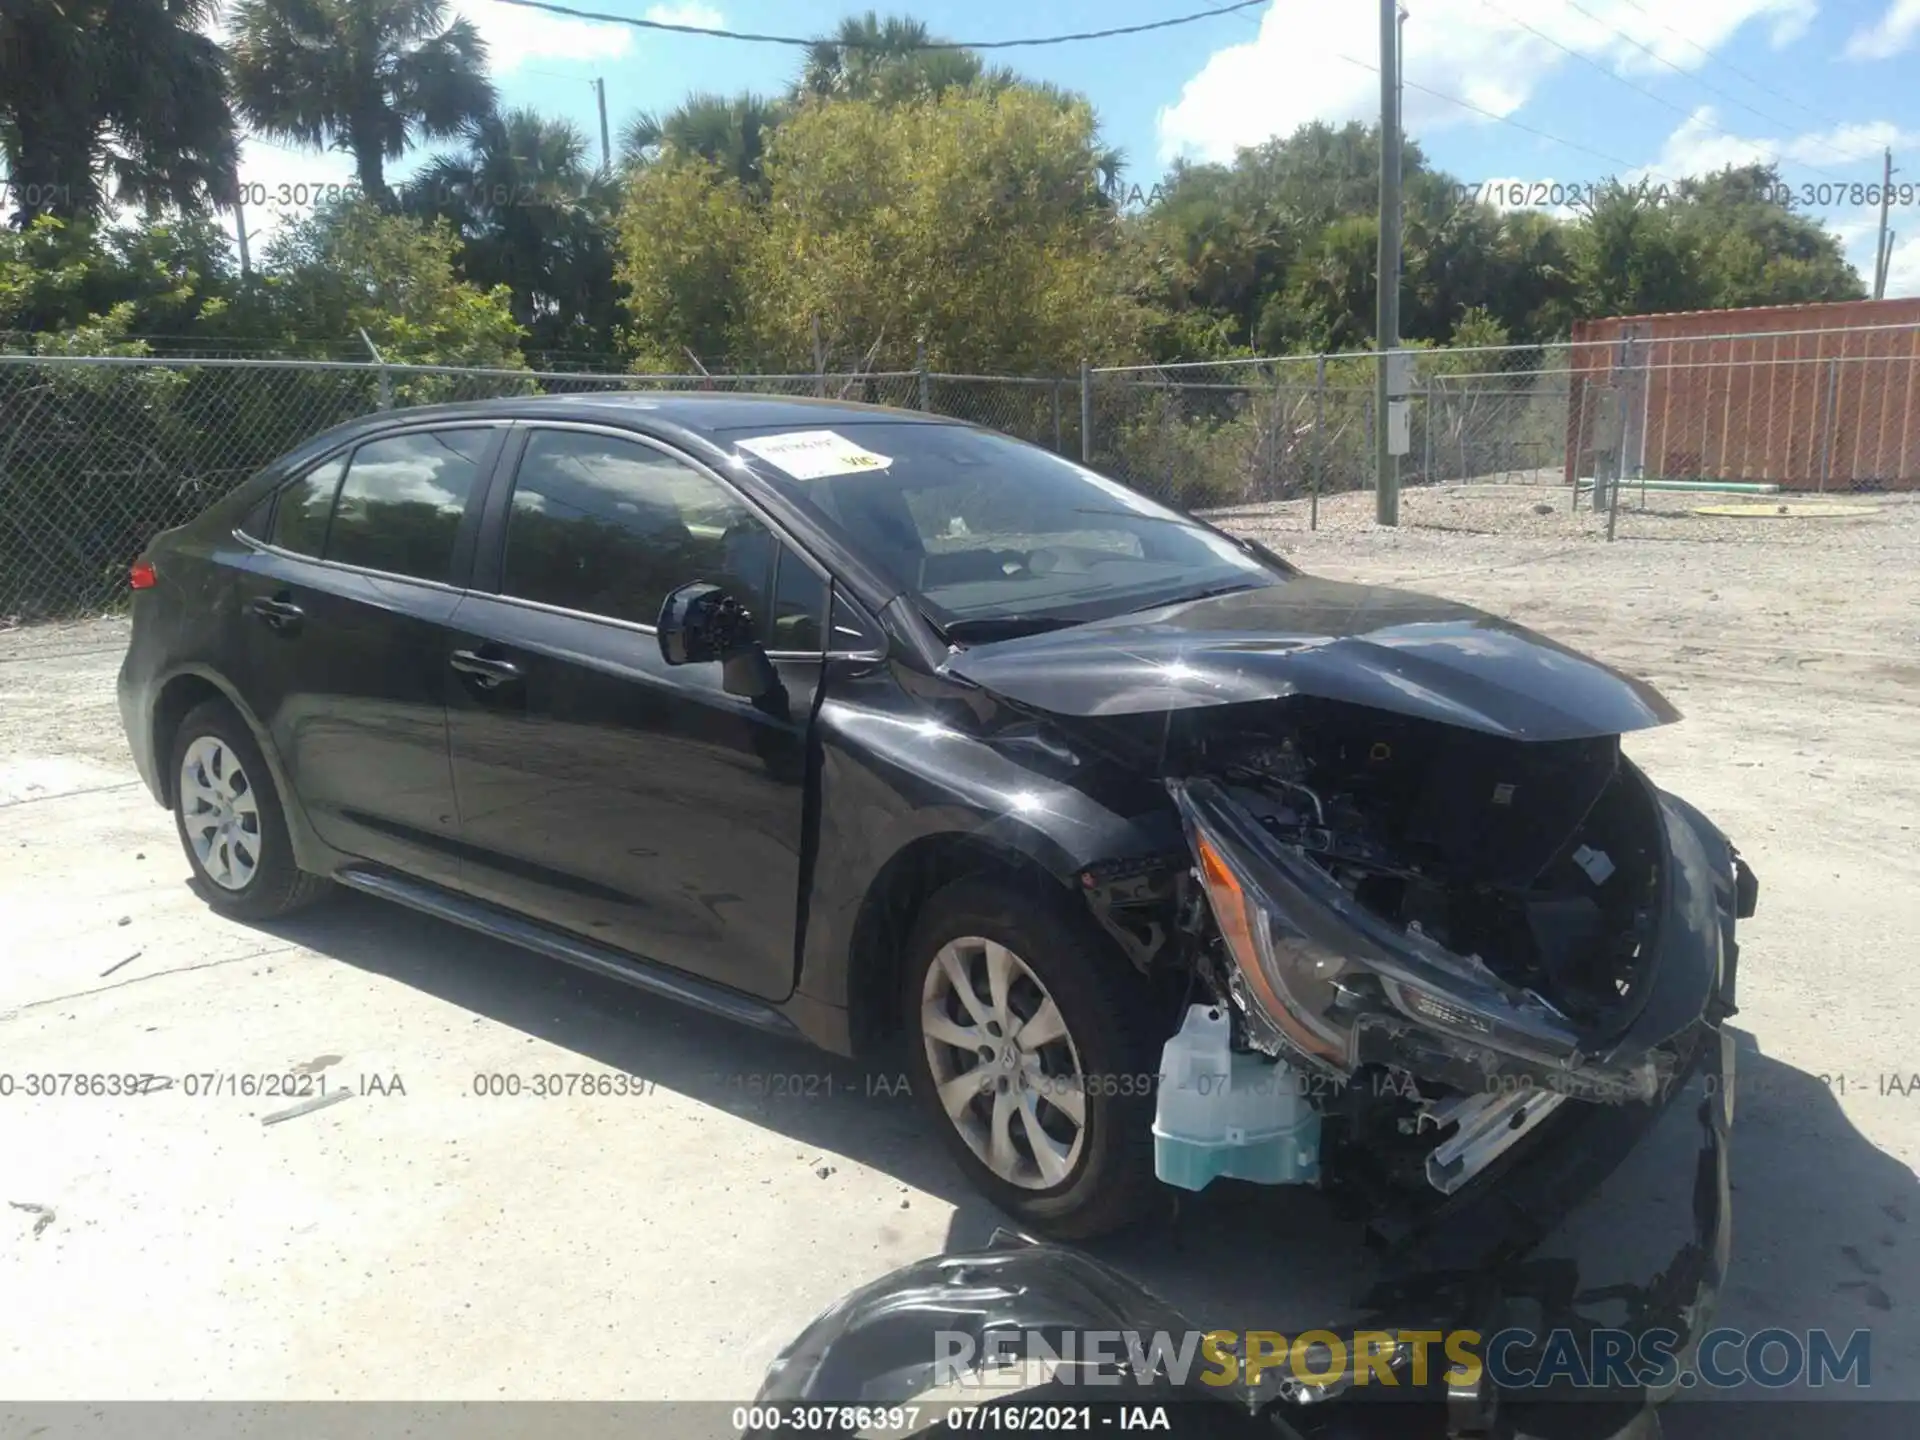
(993, 537)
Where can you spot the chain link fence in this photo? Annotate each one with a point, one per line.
(1642, 424)
(1236, 432)
(99, 453)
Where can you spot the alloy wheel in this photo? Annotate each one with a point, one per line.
(219, 813)
(1005, 1067)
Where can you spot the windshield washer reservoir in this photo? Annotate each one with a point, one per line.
(1225, 1114)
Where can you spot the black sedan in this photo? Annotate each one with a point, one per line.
(862, 724)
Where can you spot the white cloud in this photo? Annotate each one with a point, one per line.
(516, 35)
(1702, 144)
(1792, 25)
(1889, 35)
(1903, 274)
(701, 17)
(280, 183)
(1293, 70)
(1858, 230)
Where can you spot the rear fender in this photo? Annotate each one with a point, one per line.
(310, 852)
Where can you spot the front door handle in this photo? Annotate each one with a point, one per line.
(487, 671)
(278, 612)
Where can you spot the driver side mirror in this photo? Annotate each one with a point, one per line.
(700, 623)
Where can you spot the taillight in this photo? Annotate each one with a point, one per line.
(142, 576)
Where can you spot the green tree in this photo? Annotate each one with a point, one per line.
(351, 267)
(105, 101)
(1272, 242)
(885, 60)
(365, 77)
(170, 279)
(690, 238)
(728, 132)
(974, 220)
(1631, 256)
(1756, 249)
(534, 216)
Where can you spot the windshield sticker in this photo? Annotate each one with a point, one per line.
(814, 454)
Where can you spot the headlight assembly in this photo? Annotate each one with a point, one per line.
(1342, 986)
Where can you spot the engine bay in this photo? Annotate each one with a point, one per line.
(1539, 860)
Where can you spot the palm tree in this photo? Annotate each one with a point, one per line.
(534, 215)
(367, 77)
(106, 101)
(730, 133)
(888, 60)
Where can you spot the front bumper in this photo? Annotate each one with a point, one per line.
(1468, 1267)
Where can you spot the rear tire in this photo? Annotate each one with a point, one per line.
(1031, 1040)
(230, 821)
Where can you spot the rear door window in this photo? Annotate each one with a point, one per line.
(300, 515)
(400, 507)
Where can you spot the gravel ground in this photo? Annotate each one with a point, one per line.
(1534, 512)
(320, 1257)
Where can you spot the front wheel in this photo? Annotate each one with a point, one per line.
(1032, 1043)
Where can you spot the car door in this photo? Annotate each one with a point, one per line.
(346, 607)
(600, 789)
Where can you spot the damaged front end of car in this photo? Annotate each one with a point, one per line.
(1423, 887)
(1442, 941)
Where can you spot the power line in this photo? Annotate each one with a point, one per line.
(1506, 119)
(878, 43)
(1691, 116)
(1658, 58)
(1728, 65)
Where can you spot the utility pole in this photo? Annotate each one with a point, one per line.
(606, 150)
(1389, 387)
(1884, 254)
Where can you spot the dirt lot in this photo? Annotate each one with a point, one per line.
(439, 1244)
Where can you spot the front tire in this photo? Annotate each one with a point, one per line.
(1031, 1041)
(230, 820)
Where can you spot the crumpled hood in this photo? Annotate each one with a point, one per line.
(1369, 645)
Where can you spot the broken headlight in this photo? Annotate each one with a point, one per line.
(1343, 987)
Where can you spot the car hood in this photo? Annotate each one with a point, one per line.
(1367, 645)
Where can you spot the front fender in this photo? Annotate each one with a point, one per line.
(893, 777)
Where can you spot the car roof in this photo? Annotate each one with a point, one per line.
(702, 412)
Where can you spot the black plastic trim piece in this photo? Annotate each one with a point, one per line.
(557, 945)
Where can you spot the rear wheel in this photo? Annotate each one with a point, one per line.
(1032, 1044)
(230, 820)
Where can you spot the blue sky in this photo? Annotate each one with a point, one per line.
(1632, 87)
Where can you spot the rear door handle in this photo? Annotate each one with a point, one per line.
(279, 613)
(487, 671)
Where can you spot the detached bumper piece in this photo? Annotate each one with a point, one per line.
(1489, 1126)
(1469, 1269)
